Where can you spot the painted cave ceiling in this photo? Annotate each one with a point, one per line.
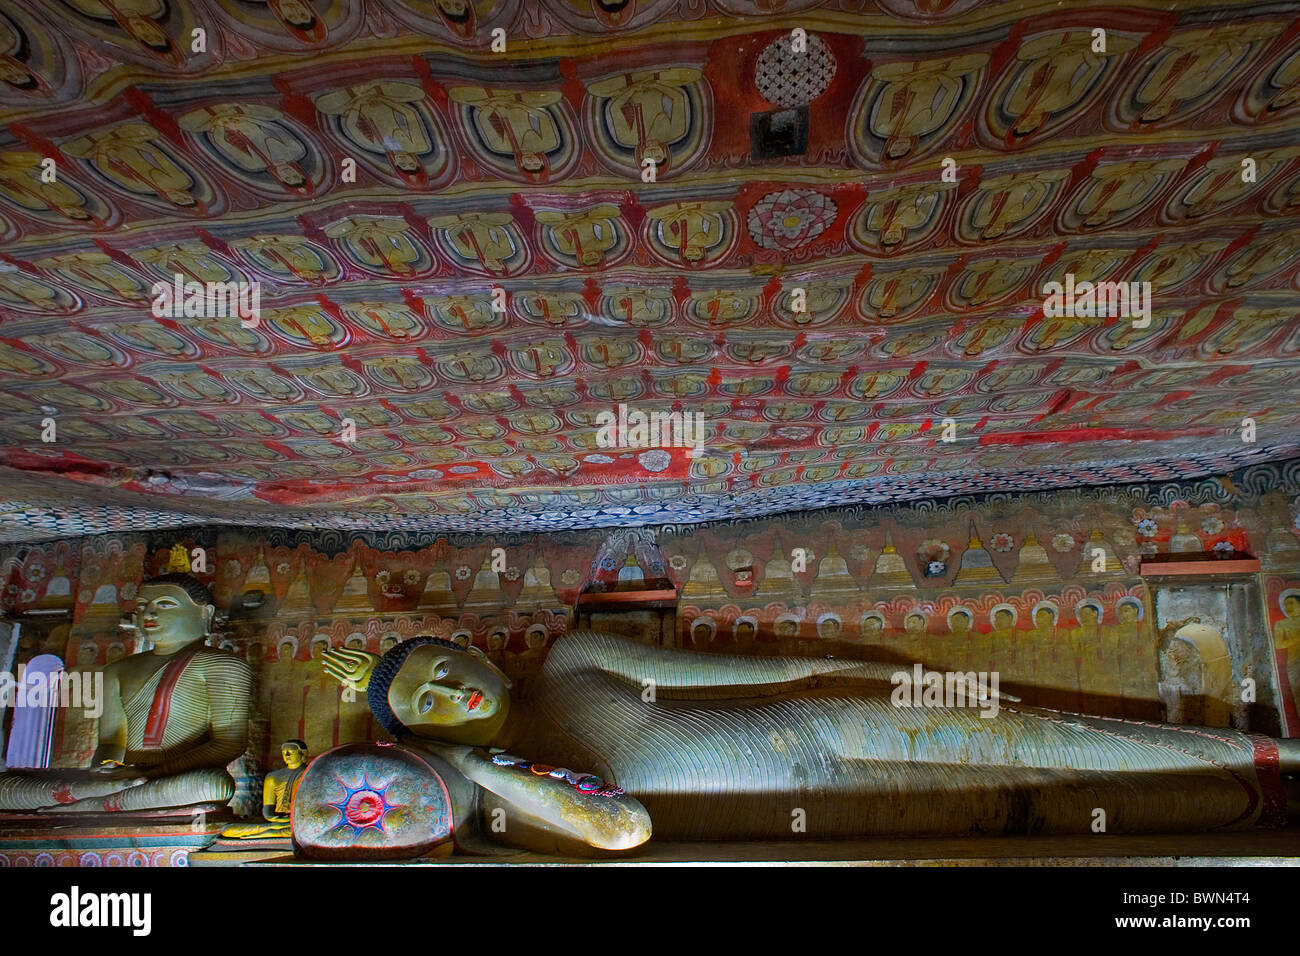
(379, 171)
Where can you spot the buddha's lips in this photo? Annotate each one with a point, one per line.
(475, 699)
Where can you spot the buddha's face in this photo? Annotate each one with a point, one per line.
(1128, 613)
(292, 755)
(535, 640)
(86, 655)
(169, 617)
(786, 629)
(1087, 614)
(960, 623)
(438, 687)
(286, 652)
(871, 627)
(745, 632)
(1002, 620)
(1044, 619)
(1292, 606)
(496, 642)
(116, 651)
(701, 636)
(387, 644)
(915, 624)
(318, 649)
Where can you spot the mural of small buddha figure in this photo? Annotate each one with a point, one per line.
(956, 649)
(786, 630)
(1005, 656)
(1088, 645)
(1286, 641)
(528, 662)
(702, 631)
(829, 627)
(872, 628)
(745, 632)
(320, 701)
(1136, 649)
(281, 691)
(1053, 667)
(496, 648)
(87, 653)
(915, 635)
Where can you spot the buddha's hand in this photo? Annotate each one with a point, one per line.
(351, 668)
(112, 770)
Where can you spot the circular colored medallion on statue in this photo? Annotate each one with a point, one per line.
(791, 77)
(790, 218)
(366, 802)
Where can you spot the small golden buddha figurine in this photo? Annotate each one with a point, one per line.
(277, 797)
(174, 716)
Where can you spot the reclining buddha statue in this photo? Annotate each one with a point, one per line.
(716, 747)
(173, 717)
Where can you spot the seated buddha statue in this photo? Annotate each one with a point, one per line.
(277, 797)
(729, 747)
(174, 716)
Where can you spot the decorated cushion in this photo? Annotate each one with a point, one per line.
(370, 802)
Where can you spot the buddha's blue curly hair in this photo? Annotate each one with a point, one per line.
(381, 678)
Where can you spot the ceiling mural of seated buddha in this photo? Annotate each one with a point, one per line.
(569, 263)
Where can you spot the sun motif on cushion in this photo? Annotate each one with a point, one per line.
(363, 807)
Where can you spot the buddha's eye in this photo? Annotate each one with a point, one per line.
(426, 702)
(441, 670)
